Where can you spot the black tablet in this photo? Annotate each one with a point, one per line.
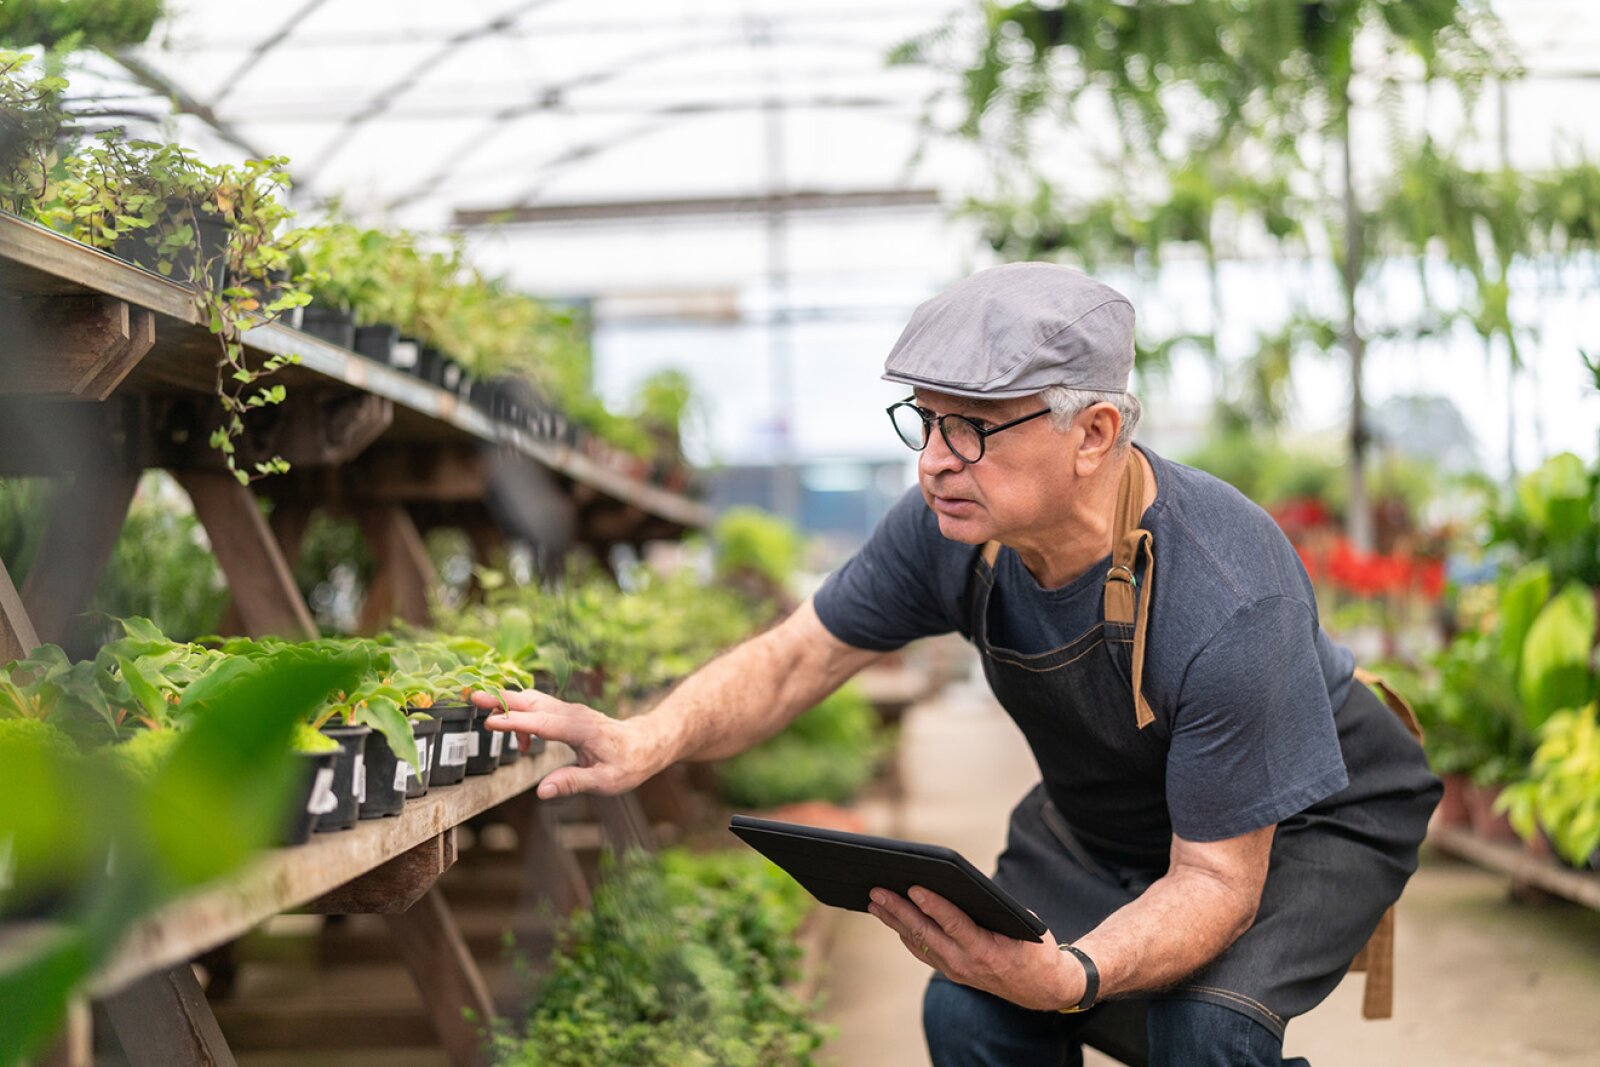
(841, 869)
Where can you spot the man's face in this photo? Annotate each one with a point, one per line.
(1020, 485)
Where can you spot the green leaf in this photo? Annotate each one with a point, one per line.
(1525, 594)
(1556, 658)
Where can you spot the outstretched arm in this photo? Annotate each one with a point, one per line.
(738, 699)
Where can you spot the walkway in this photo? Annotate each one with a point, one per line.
(1482, 982)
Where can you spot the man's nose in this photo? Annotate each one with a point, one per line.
(937, 458)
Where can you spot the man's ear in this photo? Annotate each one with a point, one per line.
(1100, 424)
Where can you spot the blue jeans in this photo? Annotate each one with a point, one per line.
(969, 1028)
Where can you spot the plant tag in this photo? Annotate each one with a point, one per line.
(425, 752)
(322, 799)
(360, 783)
(474, 743)
(454, 752)
(402, 771)
(496, 742)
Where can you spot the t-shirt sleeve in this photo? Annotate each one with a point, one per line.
(1253, 739)
(897, 588)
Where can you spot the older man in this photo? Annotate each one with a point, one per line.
(1224, 813)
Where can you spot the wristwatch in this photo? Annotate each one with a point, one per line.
(1091, 981)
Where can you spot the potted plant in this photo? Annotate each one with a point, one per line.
(1560, 796)
(30, 121)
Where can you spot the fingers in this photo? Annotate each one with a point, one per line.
(914, 928)
(951, 919)
(506, 699)
(569, 781)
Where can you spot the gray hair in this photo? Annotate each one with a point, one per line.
(1067, 404)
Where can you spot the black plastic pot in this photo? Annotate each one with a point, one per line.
(455, 739)
(509, 751)
(483, 754)
(334, 325)
(313, 791)
(387, 775)
(377, 342)
(349, 778)
(429, 363)
(210, 249)
(426, 731)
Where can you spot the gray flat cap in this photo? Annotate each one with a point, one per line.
(1013, 330)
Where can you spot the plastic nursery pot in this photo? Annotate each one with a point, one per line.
(313, 795)
(405, 353)
(426, 731)
(349, 778)
(334, 325)
(429, 361)
(387, 774)
(509, 750)
(483, 751)
(209, 249)
(377, 342)
(455, 737)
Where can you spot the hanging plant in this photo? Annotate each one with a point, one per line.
(30, 121)
(218, 229)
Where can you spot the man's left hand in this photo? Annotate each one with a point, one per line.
(1027, 973)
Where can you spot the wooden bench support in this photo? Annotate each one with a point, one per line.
(77, 346)
(85, 519)
(550, 872)
(404, 572)
(163, 1020)
(393, 886)
(17, 635)
(446, 975)
(259, 577)
(623, 822)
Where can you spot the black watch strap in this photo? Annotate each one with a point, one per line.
(1091, 980)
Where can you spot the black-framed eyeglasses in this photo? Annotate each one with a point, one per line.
(962, 435)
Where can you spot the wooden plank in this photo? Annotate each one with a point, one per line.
(262, 584)
(394, 885)
(287, 878)
(84, 522)
(435, 473)
(43, 261)
(1539, 872)
(163, 1020)
(403, 576)
(17, 635)
(77, 346)
(453, 990)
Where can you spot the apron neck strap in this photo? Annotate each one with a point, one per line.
(1125, 602)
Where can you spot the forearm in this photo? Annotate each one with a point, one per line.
(752, 691)
(1186, 919)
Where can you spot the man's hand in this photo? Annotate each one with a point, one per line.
(613, 755)
(935, 931)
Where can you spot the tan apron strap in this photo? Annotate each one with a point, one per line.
(991, 552)
(1377, 960)
(1394, 700)
(1123, 601)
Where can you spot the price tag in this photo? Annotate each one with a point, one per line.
(322, 799)
(474, 743)
(454, 750)
(402, 771)
(496, 741)
(360, 781)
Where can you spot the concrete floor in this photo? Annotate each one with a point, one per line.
(1482, 981)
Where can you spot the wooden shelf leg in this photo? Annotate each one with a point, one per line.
(17, 635)
(259, 577)
(404, 574)
(289, 522)
(163, 1020)
(82, 530)
(447, 976)
(623, 821)
(550, 871)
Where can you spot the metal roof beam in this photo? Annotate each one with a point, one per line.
(843, 200)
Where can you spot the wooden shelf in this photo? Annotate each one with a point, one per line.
(1580, 887)
(36, 261)
(287, 878)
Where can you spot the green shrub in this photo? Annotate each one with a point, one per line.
(830, 753)
(680, 962)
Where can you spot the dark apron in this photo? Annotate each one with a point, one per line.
(1334, 870)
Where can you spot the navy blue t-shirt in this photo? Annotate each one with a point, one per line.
(1238, 670)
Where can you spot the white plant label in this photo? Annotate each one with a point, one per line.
(425, 751)
(361, 778)
(454, 752)
(495, 743)
(322, 799)
(402, 771)
(474, 743)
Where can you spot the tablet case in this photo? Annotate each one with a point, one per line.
(841, 869)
